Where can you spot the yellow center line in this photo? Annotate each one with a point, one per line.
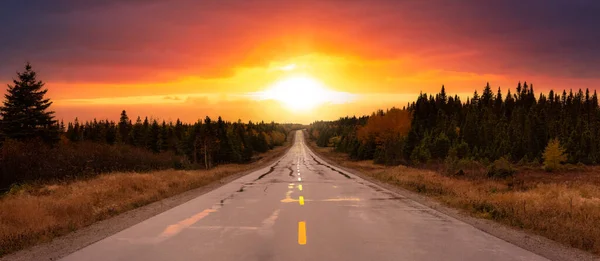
(302, 233)
(300, 187)
(301, 200)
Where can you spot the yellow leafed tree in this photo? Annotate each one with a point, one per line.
(554, 154)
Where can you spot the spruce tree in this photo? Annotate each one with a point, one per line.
(124, 127)
(25, 113)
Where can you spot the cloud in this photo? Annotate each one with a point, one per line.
(133, 41)
(175, 98)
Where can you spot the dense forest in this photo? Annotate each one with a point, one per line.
(515, 127)
(205, 142)
(35, 146)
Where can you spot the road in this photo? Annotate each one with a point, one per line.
(300, 208)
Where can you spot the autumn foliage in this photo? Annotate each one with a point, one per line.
(554, 155)
(384, 126)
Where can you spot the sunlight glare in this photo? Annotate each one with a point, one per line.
(288, 67)
(303, 93)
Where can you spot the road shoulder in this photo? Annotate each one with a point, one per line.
(534, 243)
(62, 246)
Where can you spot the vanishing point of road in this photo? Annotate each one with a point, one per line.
(301, 208)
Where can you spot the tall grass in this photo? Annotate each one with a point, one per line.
(37, 212)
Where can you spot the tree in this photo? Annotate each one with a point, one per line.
(25, 112)
(554, 154)
(137, 133)
(153, 137)
(124, 127)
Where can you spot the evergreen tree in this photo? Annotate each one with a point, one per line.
(137, 133)
(153, 137)
(124, 127)
(25, 112)
(163, 137)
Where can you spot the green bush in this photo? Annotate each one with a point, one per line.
(501, 168)
(420, 154)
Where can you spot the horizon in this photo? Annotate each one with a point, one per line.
(464, 99)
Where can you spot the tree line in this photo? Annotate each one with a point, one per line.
(486, 127)
(204, 142)
(35, 146)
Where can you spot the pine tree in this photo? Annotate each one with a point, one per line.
(137, 134)
(163, 137)
(25, 112)
(153, 137)
(124, 127)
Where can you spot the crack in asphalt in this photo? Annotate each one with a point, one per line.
(331, 168)
(268, 172)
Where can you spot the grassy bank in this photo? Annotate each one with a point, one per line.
(564, 207)
(36, 213)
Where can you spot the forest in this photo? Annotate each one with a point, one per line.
(517, 127)
(35, 146)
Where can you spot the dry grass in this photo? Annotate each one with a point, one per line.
(32, 214)
(564, 207)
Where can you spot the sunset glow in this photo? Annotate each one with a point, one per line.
(235, 59)
(303, 93)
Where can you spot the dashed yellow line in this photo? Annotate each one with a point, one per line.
(300, 187)
(302, 233)
(301, 200)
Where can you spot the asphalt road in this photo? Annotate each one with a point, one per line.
(300, 208)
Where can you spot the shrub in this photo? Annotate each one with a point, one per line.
(501, 168)
(470, 168)
(334, 141)
(420, 154)
(32, 161)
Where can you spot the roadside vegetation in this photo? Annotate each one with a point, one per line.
(564, 207)
(524, 161)
(57, 178)
(34, 213)
(35, 147)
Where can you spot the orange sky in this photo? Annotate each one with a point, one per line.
(187, 59)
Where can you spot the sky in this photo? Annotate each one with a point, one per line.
(290, 61)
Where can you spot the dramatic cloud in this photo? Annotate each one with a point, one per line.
(99, 48)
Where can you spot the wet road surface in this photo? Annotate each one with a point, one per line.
(300, 208)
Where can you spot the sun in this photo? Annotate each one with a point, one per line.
(299, 93)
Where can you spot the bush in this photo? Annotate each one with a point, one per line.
(33, 161)
(334, 141)
(420, 154)
(501, 168)
(471, 168)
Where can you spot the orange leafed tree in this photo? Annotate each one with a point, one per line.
(381, 126)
